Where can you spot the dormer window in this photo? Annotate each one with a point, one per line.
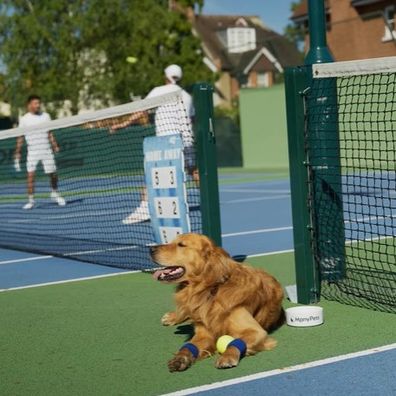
(241, 39)
(390, 24)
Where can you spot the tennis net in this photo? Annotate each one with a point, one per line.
(100, 169)
(350, 140)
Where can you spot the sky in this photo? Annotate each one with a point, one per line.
(274, 13)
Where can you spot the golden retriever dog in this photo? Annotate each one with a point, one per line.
(218, 296)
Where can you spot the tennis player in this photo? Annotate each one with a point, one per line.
(168, 121)
(41, 146)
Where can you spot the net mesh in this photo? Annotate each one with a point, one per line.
(351, 151)
(100, 176)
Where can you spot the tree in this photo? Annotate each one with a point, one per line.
(76, 50)
(296, 32)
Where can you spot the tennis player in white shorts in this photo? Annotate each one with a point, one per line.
(168, 121)
(41, 146)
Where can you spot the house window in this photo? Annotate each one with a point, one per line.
(241, 39)
(263, 80)
(390, 24)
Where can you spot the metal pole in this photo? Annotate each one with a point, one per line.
(323, 140)
(307, 271)
(318, 50)
(207, 162)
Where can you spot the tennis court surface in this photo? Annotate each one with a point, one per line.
(103, 335)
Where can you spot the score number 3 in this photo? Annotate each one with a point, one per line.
(164, 177)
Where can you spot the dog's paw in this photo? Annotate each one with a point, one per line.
(169, 319)
(179, 363)
(224, 362)
(229, 359)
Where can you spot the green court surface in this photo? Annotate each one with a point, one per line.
(246, 175)
(104, 337)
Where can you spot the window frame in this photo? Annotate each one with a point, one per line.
(241, 39)
(389, 16)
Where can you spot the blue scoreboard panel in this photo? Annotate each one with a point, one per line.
(166, 186)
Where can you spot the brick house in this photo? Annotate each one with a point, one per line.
(356, 29)
(243, 51)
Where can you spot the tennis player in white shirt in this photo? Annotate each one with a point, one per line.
(169, 119)
(41, 146)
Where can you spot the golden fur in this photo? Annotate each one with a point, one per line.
(219, 296)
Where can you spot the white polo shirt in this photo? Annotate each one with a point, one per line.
(36, 141)
(175, 117)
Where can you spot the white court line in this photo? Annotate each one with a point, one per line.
(264, 230)
(369, 218)
(260, 182)
(271, 373)
(71, 254)
(25, 259)
(349, 242)
(84, 214)
(270, 253)
(138, 271)
(256, 199)
(69, 280)
(101, 251)
(253, 190)
(370, 239)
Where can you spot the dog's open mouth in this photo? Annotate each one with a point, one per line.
(169, 273)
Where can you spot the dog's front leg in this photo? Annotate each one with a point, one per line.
(201, 345)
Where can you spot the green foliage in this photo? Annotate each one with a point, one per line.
(2, 87)
(228, 112)
(293, 32)
(77, 49)
(192, 3)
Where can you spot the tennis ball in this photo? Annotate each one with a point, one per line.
(131, 59)
(222, 343)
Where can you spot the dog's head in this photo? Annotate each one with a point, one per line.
(189, 257)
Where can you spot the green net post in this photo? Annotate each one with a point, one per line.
(207, 163)
(307, 272)
(325, 148)
(318, 50)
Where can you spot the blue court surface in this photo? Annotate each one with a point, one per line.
(256, 219)
(367, 373)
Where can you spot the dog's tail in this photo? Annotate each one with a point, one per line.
(279, 322)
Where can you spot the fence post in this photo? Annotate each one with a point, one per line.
(207, 162)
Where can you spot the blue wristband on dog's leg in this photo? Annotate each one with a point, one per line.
(192, 348)
(240, 345)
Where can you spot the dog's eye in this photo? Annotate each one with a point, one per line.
(181, 244)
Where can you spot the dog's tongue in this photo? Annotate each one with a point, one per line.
(163, 273)
(157, 274)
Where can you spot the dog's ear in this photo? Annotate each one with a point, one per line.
(208, 248)
(217, 265)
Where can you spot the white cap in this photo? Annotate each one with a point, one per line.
(173, 73)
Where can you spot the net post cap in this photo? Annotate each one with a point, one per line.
(304, 316)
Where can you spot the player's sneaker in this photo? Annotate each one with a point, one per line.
(140, 214)
(29, 205)
(57, 198)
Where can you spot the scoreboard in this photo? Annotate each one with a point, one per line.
(166, 186)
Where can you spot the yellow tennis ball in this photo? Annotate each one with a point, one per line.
(131, 59)
(222, 343)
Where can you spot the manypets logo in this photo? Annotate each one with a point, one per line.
(305, 319)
